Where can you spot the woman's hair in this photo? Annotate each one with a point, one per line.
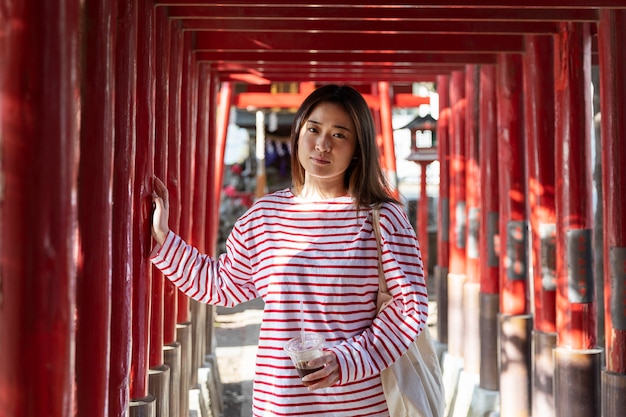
(364, 178)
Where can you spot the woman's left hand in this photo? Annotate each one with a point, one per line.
(326, 377)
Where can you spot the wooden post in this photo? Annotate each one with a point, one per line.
(142, 404)
(458, 219)
(94, 212)
(514, 319)
(39, 132)
(443, 220)
(539, 112)
(384, 94)
(123, 181)
(613, 126)
(471, 288)
(489, 231)
(576, 357)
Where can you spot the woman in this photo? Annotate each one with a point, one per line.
(314, 244)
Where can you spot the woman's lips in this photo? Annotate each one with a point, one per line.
(320, 161)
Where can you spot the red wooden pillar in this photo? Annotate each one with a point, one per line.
(39, 133)
(539, 118)
(422, 216)
(94, 212)
(489, 231)
(471, 289)
(443, 219)
(384, 94)
(201, 160)
(123, 180)
(187, 143)
(209, 93)
(458, 223)
(187, 152)
(575, 358)
(612, 31)
(514, 320)
(174, 185)
(159, 373)
(141, 403)
(174, 330)
(221, 125)
(189, 310)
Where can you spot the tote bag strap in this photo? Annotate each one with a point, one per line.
(382, 283)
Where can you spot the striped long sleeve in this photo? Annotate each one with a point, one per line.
(322, 254)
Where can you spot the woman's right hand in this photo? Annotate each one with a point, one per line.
(160, 214)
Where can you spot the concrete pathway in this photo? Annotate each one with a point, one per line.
(237, 335)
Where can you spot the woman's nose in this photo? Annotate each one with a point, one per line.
(322, 144)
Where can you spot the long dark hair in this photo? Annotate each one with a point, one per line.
(364, 178)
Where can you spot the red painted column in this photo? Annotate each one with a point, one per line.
(208, 131)
(384, 94)
(223, 114)
(123, 180)
(458, 219)
(443, 209)
(457, 169)
(142, 204)
(515, 321)
(471, 288)
(190, 310)
(576, 317)
(472, 169)
(489, 234)
(490, 202)
(201, 161)
(170, 292)
(174, 329)
(539, 112)
(422, 216)
(162, 62)
(611, 35)
(188, 144)
(94, 211)
(39, 101)
(512, 178)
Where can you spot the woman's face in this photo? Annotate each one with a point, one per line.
(326, 143)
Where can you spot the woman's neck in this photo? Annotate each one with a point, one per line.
(310, 192)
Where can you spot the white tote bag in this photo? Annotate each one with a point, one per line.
(413, 384)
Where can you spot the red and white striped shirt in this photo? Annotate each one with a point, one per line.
(323, 253)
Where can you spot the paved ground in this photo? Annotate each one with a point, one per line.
(237, 334)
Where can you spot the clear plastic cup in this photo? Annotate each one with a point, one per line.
(302, 352)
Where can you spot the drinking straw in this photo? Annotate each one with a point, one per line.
(302, 322)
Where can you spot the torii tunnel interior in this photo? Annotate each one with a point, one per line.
(527, 137)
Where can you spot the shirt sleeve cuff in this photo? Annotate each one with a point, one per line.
(343, 365)
(159, 249)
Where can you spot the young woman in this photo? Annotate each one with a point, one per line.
(314, 244)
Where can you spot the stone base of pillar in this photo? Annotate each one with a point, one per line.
(183, 337)
(515, 364)
(142, 407)
(489, 330)
(613, 394)
(171, 357)
(159, 388)
(579, 369)
(543, 373)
